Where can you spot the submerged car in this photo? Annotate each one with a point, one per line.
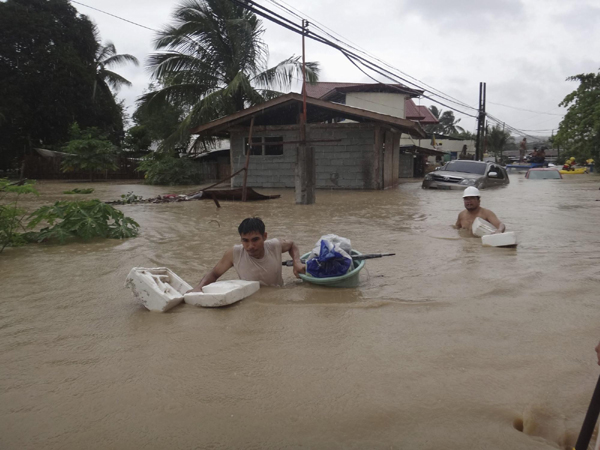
(543, 174)
(460, 174)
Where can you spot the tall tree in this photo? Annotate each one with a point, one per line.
(47, 69)
(448, 124)
(579, 131)
(107, 57)
(212, 61)
(497, 139)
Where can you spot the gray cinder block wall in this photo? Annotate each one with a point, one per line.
(347, 164)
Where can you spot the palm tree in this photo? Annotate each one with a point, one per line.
(212, 62)
(447, 122)
(107, 56)
(496, 139)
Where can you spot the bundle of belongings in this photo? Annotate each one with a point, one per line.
(330, 257)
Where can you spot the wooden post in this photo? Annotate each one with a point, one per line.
(248, 150)
(305, 177)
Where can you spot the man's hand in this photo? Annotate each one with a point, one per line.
(298, 269)
(222, 266)
(501, 229)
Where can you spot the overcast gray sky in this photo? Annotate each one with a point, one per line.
(523, 49)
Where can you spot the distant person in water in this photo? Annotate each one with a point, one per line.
(472, 199)
(256, 258)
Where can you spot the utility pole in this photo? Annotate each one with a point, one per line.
(305, 176)
(480, 123)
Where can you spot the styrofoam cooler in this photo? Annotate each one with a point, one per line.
(222, 293)
(482, 227)
(508, 239)
(159, 288)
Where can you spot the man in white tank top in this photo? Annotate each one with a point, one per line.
(256, 258)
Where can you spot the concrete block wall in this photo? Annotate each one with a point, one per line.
(346, 164)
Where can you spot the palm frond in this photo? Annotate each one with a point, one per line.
(123, 58)
(114, 79)
(284, 74)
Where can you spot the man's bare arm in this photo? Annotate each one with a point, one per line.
(292, 249)
(491, 218)
(222, 266)
(458, 222)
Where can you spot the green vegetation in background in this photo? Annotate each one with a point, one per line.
(497, 139)
(212, 62)
(170, 169)
(107, 56)
(51, 61)
(11, 215)
(89, 151)
(79, 191)
(579, 132)
(447, 125)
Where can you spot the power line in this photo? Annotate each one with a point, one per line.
(527, 110)
(351, 56)
(116, 17)
(357, 48)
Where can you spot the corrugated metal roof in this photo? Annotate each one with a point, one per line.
(284, 110)
(326, 89)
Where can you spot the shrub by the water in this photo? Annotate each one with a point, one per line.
(85, 219)
(11, 215)
(166, 169)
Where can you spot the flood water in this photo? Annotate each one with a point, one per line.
(448, 345)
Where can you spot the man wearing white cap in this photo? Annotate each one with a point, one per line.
(471, 198)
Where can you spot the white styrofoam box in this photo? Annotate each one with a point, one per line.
(482, 227)
(500, 239)
(159, 289)
(222, 293)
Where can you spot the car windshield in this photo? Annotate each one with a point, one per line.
(544, 175)
(468, 167)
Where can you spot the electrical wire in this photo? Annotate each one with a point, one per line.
(352, 57)
(116, 17)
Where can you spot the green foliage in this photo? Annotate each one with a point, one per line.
(47, 68)
(153, 124)
(465, 135)
(84, 219)
(130, 197)
(167, 169)
(79, 191)
(447, 125)
(497, 140)
(107, 56)
(212, 62)
(89, 150)
(11, 216)
(579, 131)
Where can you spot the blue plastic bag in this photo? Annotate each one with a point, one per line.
(331, 261)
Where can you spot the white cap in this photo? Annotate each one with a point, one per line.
(471, 191)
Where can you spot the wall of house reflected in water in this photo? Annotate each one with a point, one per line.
(447, 345)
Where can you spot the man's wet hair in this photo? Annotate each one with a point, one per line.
(251, 224)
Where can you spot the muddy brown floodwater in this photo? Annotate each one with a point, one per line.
(448, 345)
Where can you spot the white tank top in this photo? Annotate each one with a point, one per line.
(267, 270)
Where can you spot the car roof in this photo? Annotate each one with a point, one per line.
(540, 169)
(469, 161)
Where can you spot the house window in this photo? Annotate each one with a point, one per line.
(270, 146)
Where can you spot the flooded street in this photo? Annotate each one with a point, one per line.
(448, 345)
